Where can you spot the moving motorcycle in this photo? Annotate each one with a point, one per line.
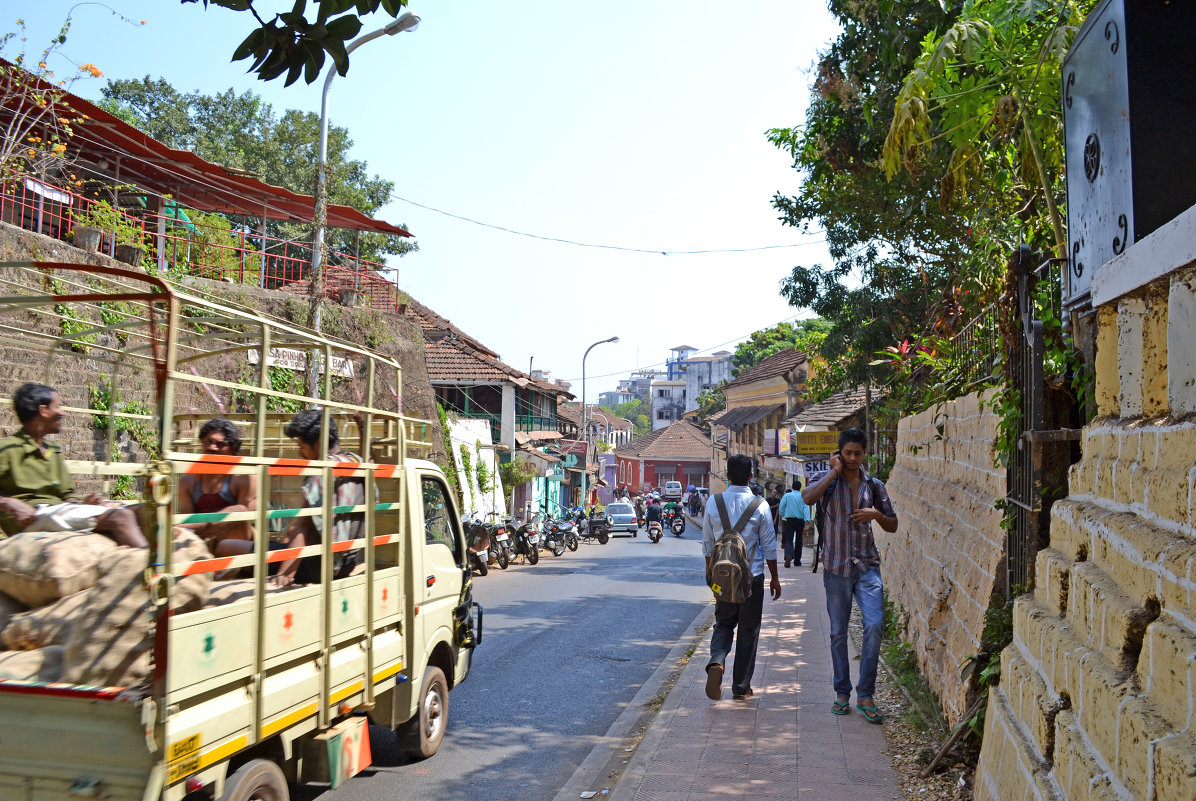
(677, 523)
(655, 531)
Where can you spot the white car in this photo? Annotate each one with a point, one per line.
(672, 490)
(622, 518)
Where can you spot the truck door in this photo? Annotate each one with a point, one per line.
(443, 558)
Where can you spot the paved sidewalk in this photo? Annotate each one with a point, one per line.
(783, 742)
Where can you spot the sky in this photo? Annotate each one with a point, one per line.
(635, 128)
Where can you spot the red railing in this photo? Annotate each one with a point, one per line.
(185, 247)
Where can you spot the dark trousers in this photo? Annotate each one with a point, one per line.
(792, 529)
(746, 618)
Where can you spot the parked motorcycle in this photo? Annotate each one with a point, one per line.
(597, 527)
(655, 531)
(525, 540)
(553, 536)
(500, 542)
(478, 546)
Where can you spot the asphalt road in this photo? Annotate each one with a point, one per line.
(567, 644)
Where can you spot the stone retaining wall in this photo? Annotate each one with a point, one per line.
(941, 564)
(1097, 698)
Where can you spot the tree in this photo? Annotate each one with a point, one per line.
(39, 122)
(711, 402)
(242, 131)
(805, 335)
(989, 85)
(636, 411)
(906, 263)
(298, 42)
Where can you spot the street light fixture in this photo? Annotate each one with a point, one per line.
(404, 22)
(585, 426)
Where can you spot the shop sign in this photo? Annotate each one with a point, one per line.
(816, 442)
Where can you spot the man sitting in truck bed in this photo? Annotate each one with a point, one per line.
(37, 492)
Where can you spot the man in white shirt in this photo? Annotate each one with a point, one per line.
(740, 622)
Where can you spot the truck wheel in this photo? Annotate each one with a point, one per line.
(420, 737)
(260, 779)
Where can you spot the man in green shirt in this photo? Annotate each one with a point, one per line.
(37, 492)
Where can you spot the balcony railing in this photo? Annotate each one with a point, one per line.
(185, 247)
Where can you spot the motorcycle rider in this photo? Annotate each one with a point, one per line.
(653, 512)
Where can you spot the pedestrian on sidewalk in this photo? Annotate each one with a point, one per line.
(794, 512)
(849, 500)
(740, 622)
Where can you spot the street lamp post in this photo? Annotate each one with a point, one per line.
(404, 22)
(585, 425)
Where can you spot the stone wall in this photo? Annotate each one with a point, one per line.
(942, 563)
(1096, 697)
(397, 336)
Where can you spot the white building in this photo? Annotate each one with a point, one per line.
(668, 402)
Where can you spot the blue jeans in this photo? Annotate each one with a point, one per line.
(868, 591)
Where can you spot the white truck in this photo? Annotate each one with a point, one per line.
(277, 686)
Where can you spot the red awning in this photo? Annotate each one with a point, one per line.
(134, 157)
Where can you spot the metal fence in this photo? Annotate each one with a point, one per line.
(179, 246)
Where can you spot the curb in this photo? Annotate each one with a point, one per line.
(590, 773)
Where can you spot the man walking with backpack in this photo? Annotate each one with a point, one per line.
(738, 540)
(848, 501)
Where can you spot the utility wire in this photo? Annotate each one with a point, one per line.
(609, 247)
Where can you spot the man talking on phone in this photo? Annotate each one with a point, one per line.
(850, 500)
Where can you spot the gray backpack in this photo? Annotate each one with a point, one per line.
(730, 572)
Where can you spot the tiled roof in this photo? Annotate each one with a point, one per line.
(681, 440)
(572, 413)
(454, 355)
(452, 359)
(777, 364)
(834, 410)
(436, 327)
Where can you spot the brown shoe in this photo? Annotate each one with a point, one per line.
(714, 682)
(744, 695)
(787, 562)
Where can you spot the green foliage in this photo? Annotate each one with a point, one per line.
(466, 460)
(988, 87)
(40, 122)
(297, 42)
(282, 379)
(244, 132)
(804, 335)
(711, 402)
(517, 472)
(103, 398)
(485, 483)
(102, 215)
(450, 469)
(984, 669)
(636, 411)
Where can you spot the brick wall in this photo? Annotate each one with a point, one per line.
(1097, 699)
(942, 562)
